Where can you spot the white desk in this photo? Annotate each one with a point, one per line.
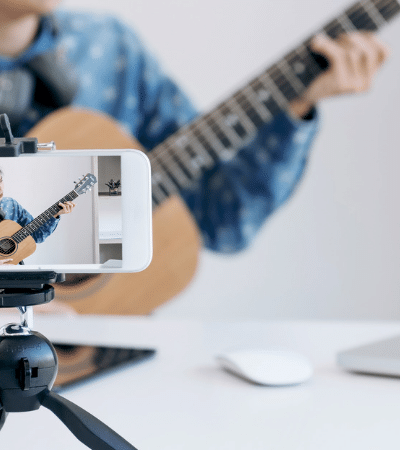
(181, 400)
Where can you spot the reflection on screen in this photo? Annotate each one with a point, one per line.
(32, 187)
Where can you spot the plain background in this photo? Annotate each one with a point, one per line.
(333, 251)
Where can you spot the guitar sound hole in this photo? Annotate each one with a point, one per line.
(7, 246)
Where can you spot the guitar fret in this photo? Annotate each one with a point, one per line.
(197, 161)
(165, 180)
(182, 158)
(174, 170)
(233, 123)
(314, 69)
(164, 190)
(155, 203)
(194, 163)
(282, 83)
(361, 19)
(247, 124)
(222, 152)
(265, 97)
(245, 104)
(183, 167)
(231, 120)
(157, 192)
(158, 195)
(303, 65)
(262, 110)
(346, 23)
(213, 139)
(213, 124)
(273, 89)
(375, 15)
(295, 82)
(198, 156)
(334, 29)
(227, 127)
(205, 143)
(226, 151)
(389, 10)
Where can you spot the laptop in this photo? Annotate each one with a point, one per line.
(377, 358)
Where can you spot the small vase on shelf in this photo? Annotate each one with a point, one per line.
(114, 187)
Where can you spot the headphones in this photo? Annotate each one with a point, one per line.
(47, 79)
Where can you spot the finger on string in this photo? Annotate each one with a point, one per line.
(327, 47)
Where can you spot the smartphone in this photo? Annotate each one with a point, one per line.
(108, 230)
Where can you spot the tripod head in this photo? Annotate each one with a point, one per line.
(29, 364)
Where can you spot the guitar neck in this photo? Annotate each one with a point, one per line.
(40, 220)
(218, 135)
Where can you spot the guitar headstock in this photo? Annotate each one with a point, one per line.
(85, 184)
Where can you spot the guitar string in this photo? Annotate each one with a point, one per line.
(166, 151)
(36, 223)
(32, 226)
(205, 117)
(46, 215)
(172, 154)
(170, 151)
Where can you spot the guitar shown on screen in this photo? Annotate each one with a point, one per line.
(179, 162)
(16, 242)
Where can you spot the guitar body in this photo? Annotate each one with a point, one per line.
(9, 248)
(176, 242)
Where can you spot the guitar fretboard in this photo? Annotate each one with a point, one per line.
(40, 220)
(180, 160)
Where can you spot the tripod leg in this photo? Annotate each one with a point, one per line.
(3, 416)
(89, 430)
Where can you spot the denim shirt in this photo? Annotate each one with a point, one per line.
(14, 211)
(120, 77)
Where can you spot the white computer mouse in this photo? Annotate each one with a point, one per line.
(267, 367)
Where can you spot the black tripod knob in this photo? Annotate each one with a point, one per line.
(28, 368)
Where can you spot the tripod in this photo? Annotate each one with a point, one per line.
(28, 363)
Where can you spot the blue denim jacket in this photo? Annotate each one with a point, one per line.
(14, 211)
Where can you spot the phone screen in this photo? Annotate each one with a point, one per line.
(105, 224)
(31, 186)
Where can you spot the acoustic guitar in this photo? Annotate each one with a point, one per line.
(16, 242)
(179, 162)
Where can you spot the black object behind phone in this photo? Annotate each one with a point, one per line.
(81, 363)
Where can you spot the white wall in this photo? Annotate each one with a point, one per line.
(334, 250)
